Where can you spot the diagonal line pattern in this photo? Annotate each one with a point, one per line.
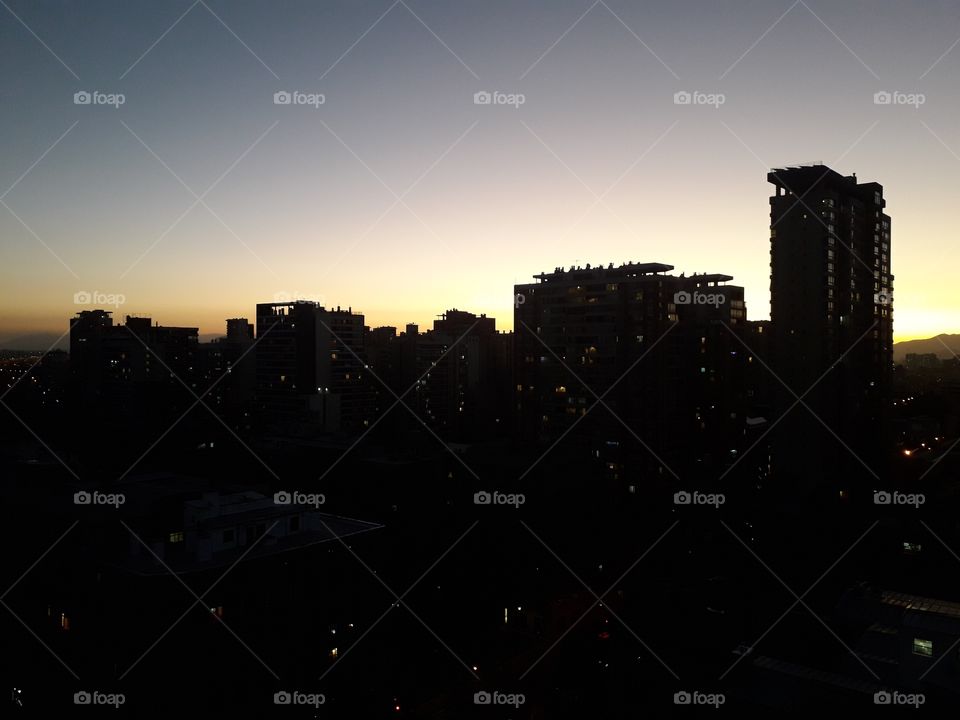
(439, 40)
(199, 199)
(819, 20)
(177, 22)
(398, 199)
(37, 362)
(247, 47)
(22, 176)
(40, 640)
(157, 41)
(757, 41)
(799, 399)
(398, 599)
(599, 599)
(39, 559)
(826, 172)
(605, 392)
(599, 400)
(805, 206)
(199, 401)
(198, 599)
(799, 598)
(377, 22)
(39, 439)
(39, 40)
(949, 650)
(39, 239)
(39, 159)
(580, 19)
(796, 402)
(17, 582)
(398, 401)
(359, 39)
(639, 39)
(840, 40)
(599, 198)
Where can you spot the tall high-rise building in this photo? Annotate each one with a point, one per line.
(831, 309)
(311, 371)
(661, 351)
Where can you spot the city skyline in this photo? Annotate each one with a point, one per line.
(400, 193)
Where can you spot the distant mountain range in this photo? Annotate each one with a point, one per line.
(941, 346)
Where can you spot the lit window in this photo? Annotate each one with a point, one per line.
(176, 537)
(923, 647)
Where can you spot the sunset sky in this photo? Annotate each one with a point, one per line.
(303, 200)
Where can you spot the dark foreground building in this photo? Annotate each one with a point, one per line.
(832, 321)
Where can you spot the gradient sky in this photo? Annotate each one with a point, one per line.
(490, 194)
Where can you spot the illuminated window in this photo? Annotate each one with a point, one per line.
(923, 647)
(176, 537)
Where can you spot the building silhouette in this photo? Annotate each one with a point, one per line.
(133, 362)
(456, 375)
(228, 373)
(661, 351)
(311, 373)
(831, 300)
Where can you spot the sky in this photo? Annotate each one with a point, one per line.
(400, 196)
